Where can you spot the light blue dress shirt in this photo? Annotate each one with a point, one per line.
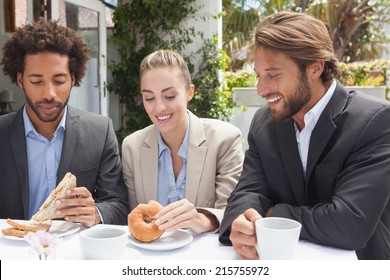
(43, 158)
(169, 190)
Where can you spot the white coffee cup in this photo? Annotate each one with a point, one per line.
(277, 238)
(103, 243)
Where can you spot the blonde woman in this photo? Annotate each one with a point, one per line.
(190, 165)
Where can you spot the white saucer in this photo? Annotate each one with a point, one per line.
(60, 228)
(167, 241)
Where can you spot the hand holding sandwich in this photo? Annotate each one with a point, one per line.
(78, 206)
(68, 202)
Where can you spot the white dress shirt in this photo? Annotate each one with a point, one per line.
(311, 119)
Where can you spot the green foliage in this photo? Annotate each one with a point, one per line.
(142, 27)
(139, 29)
(356, 26)
(209, 100)
(373, 73)
(239, 21)
(239, 79)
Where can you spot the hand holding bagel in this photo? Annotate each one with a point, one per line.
(147, 222)
(183, 214)
(141, 222)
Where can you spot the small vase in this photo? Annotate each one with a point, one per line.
(41, 257)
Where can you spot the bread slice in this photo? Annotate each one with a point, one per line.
(21, 228)
(29, 225)
(14, 232)
(48, 208)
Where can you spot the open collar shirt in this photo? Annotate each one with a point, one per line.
(43, 158)
(311, 119)
(168, 189)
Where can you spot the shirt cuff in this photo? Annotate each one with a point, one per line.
(100, 215)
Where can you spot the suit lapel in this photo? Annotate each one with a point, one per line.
(149, 166)
(19, 150)
(290, 157)
(325, 128)
(195, 158)
(72, 126)
(318, 140)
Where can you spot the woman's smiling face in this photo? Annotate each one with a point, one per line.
(165, 98)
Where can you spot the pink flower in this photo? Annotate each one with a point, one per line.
(42, 242)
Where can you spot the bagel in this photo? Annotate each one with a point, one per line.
(141, 222)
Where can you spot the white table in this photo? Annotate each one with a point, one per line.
(203, 247)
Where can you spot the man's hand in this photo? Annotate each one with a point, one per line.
(78, 207)
(243, 234)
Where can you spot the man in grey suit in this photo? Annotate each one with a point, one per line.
(317, 154)
(47, 138)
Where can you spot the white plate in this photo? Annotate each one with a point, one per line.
(167, 241)
(60, 228)
(128, 254)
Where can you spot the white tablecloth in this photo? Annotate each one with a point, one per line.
(203, 247)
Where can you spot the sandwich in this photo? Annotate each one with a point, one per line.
(42, 220)
(21, 228)
(48, 208)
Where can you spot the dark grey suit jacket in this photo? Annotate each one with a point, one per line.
(90, 152)
(343, 201)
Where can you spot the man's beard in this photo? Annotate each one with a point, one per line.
(47, 118)
(295, 101)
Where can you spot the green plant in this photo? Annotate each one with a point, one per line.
(240, 79)
(141, 27)
(373, 73)
(356, 26)
(239, 20)
(209, 100)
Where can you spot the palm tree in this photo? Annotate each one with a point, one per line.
(239, 22)
(356, 26)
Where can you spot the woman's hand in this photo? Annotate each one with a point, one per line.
(183, 214)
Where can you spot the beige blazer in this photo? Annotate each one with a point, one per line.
(214, 164)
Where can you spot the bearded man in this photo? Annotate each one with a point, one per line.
(318, 154)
